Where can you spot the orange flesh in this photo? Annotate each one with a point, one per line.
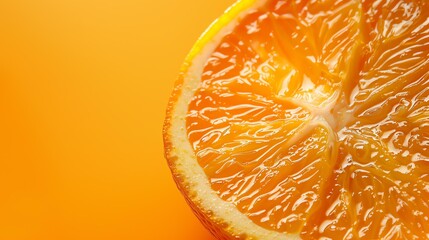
(313, 117)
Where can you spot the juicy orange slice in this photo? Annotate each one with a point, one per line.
(307, 119)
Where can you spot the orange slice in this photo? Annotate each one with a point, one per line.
(306, 119)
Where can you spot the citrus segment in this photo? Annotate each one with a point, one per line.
(312, 118)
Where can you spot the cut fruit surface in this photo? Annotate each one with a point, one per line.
(307, 119)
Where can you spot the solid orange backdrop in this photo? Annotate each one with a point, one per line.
(83, 90)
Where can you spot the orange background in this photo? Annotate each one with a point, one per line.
(83, 90)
